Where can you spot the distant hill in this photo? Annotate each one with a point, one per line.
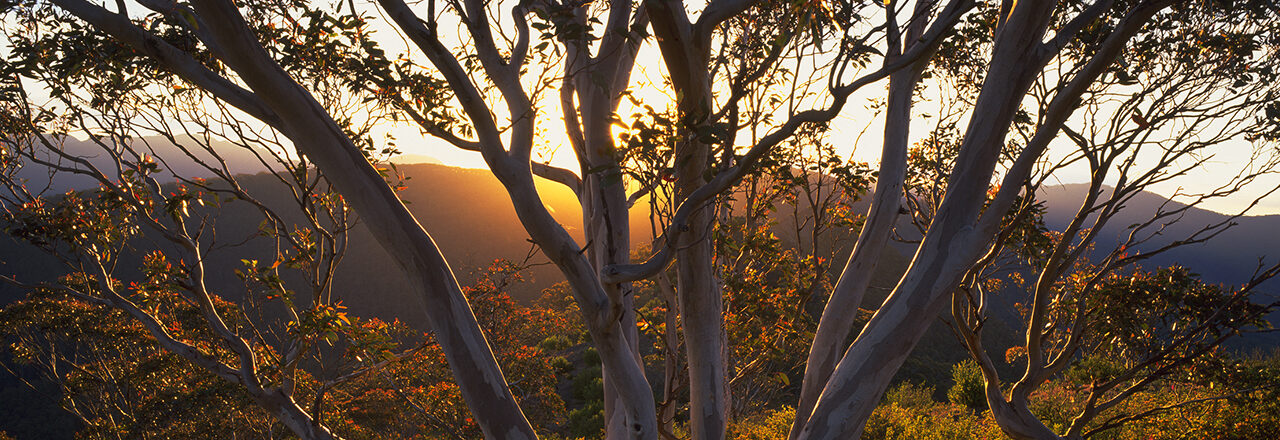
(468, 214)
(407, 159)
(466, 211)
(174, 161)
(1229, 258)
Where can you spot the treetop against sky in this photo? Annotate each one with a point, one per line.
(856, 132)
(974, 107)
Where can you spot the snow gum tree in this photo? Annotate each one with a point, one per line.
(483, 76)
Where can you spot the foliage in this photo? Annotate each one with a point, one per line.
(1162, 310)
(114, 378)
(1179, 407)
(763, 425)
(1171, 409)
(969, 387)
(319, 86)
(782, 230)
(909, 395)
(928, 420)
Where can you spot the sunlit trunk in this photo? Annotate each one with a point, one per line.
(608, 228)
(951, 245)
(289, 413)
(1016, 420)
(698, 289)
(701, 302)
(837, 317)
(702, 306)
(317, 136)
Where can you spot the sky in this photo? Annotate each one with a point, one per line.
(856, 133)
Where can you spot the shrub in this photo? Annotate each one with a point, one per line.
(969, 388)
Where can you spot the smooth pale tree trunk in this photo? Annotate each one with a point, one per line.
(1017, 421)
(698, 290)
(684, 46)
(702, 304)
(605, 214)
(605, 203)
(291, 109)
(952, 244)
(864, 373)
(601, 312)
(292, 416)
(837, 316)
(961, 232)
(315, 134)
(605, 217)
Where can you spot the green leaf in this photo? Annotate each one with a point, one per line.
(189, 18)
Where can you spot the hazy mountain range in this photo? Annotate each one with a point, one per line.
(468, 214)
(171, 159)
(1228, 258)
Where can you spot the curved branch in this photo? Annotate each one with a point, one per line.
(174, 59)
(732, 175)
(559, 175)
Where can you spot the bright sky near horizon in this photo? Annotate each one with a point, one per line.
(856, 133)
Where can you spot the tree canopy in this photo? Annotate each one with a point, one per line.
(740, 123)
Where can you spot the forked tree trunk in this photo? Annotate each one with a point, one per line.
(1016, 420)
(605, 209)
(1014, 415)
(288, 412)
(952, 244)
(685, 52)
(311, 129)
(511, 165)
(606, 219)
(837, 316)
